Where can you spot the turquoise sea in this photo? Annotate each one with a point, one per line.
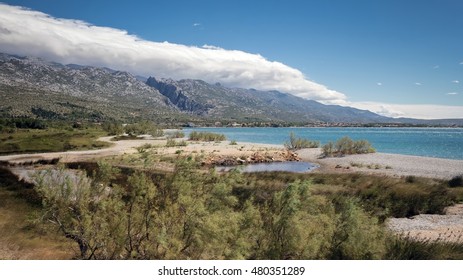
(430, 142)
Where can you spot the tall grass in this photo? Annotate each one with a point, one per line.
(406, 248)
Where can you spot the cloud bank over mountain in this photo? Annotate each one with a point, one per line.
(32, 33)
(27, 32)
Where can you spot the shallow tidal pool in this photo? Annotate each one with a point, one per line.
(289, 166)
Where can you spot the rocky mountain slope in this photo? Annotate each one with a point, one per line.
(31, 86)
(219, 102)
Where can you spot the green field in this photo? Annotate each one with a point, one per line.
(50, 140)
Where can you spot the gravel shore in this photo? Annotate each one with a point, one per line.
(448, 227)
(387, 164)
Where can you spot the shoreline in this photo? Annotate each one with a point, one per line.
(395, 165)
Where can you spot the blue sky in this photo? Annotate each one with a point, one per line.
(399, 58)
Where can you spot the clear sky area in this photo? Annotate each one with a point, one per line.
(396, 58)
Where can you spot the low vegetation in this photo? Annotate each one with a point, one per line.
(456, 181)
(347, 146)
(174, 143)
(176, 134)
(20, 236)
(51, 140)
(206, 136)
(295, 143)
(134, 129)
(238, 216)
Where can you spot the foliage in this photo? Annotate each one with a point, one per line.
(379, 195)
(192, 214)
(173, 143)
(20, 236)
(206, 136)
(176, 134)
(347, 146)
(300, 143)
(456, 181)
(144, 127)
(233, 142)
(357, 235)
(298, 225)
(113, 128)
(406, 248)
(6, 124)
(51, 140)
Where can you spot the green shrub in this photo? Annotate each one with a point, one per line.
(456, 181)
(233, 142)
(113, 128)
(295, 143)
(173, 143)
(346, 146)
(144, 127)
(206, 136)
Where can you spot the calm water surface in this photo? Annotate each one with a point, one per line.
(290, 166)
(430, 142)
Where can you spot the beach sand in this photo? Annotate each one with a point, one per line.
(386, 164)
(425, 227)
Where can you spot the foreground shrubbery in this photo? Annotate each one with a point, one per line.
(295, 143)
(206, 136)
(193, 215)
(128, 214)
(347, 146)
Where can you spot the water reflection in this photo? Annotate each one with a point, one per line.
(290, 166)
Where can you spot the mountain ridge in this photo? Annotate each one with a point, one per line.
(33, 87)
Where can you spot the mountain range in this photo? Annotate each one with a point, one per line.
(33, 87)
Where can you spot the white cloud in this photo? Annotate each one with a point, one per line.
(456, 82)
(418, 111)
(196, 24)
(418, 84)
(379, 84)
(27, 32)
(452, 93)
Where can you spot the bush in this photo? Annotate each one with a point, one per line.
(178, 134)
(206, 136)
(456, 181)
(300, 143)
(347, 146)
(173, 143)
(113, 128)
(144, 127)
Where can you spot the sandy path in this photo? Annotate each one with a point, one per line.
(128, 146)
(387, 164)
(118, 147)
